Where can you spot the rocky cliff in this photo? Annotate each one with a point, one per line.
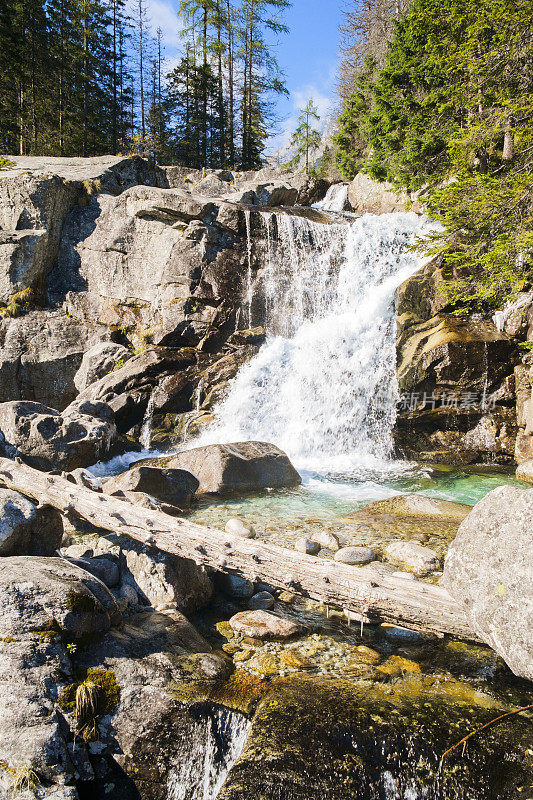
(111, 268)
(461, 378)
(127, 283)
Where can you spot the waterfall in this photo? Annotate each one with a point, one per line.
(336, 199)
(323, 387)
(208, 756)
(145, 437)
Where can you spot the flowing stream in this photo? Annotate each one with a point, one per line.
(323, 387)
(210, 753)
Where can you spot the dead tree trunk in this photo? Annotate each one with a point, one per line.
(416, 605)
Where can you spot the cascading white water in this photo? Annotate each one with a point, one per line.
(208, 756)
(323, 387)
(336, 199)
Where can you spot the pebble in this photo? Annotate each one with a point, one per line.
(326, 540)
(264, 625)
(306, 546)
(396, 634)
(421, 559)
(261, 600)
(354, 555)
(236, 587)
(293, 659)
(239, 528)
(242, 655)
(366, 655)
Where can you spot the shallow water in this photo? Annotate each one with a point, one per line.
(325, 500)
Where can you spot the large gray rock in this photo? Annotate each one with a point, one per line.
(26, 528)
(35, 198)
(40, 354)
(175, 487)
(36, 601)
(227, 469)
(80, 436)
(162, 579)
(489, 571)
(40, 594)
(369, 196)
(101, 359)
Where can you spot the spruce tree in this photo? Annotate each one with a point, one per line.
(305, 139)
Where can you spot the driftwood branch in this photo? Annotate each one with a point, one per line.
(411, 604)
(492, 722)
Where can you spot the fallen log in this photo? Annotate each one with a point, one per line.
(412, 604)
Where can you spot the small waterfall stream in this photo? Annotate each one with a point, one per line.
(208, 756)
(323, 387)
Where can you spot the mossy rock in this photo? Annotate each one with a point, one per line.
(313, 738)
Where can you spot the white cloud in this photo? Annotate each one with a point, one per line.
(163, 14)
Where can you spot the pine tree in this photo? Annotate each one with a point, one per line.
(305, 139)
(451, 110)
(262, 76)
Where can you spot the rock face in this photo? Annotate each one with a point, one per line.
(175, 487)
(40, 354)
(80, 436)
(370, 196)
(456, 380)
(488, 571)
(109, 258)
(157, 260)
(27, 529)
(227, 469)
(35, 199)
(97, 362)
(524, 409)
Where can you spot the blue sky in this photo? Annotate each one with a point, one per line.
(307, 55)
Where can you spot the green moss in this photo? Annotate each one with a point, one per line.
(241, 692)
(5, 163)
(107, 691)
(23, 300)
(80, 603)
(50, 630)
(8, 639)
